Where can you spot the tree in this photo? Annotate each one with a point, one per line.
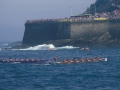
(103, 6)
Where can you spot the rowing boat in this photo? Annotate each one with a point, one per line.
(100, 60)
(50, 62)
(24, 61)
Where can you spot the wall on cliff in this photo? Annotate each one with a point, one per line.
(114, 29)
(36, 33)
(63, 31)
(88, 30)
(95, 29)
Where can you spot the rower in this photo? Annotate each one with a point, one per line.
(75, 60)
(92, 59)
(10, 59)
(70, 61)
(26, 59)
(31, 59)
(81, 60)
(41, 59)
(82, 49)
(36, 59)
(64, 61)
(21, 59)
(3, 59)
(98, 58)
(15, 59)
(55, 59)
(86, 59)
(86, 48)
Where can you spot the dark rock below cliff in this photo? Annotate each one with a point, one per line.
(96, 42)
(102, 41)
(78, 43)
(15, 43)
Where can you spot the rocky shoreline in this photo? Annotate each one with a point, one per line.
(103, 41)
(83, 43)
(77, 43)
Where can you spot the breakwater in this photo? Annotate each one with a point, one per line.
(38, 33)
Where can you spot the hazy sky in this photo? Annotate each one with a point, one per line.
(14, 13)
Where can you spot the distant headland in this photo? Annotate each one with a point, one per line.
(95, 27)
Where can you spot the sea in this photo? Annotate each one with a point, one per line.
(77, 76)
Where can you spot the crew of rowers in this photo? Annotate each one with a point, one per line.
(76, 60)
(55, 60)
(15, 59)
(85, 48)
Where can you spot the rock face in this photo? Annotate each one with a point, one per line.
(67, 33)
(88, 30)
(40, 32)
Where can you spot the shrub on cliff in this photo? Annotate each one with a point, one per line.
(103, 6)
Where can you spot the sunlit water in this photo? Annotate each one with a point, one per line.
(81, 76)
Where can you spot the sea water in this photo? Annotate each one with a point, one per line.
(81, 76)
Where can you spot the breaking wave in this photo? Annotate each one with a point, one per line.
(47, 47)
(67, 47)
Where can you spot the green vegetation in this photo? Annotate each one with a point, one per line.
(101, 6)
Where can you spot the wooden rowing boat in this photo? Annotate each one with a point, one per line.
(49, 61)
(24, 61)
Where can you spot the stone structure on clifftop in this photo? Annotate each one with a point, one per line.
(100, 25)
(85, 27)
(37, 33)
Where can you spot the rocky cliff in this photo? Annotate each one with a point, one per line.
(90, 31)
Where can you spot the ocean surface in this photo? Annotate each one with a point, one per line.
(80, 76)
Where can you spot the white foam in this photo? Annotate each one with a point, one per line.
(67, 47)
(47, 47)
(41, 47)
(4, 44)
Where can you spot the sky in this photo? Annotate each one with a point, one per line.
(14, 13)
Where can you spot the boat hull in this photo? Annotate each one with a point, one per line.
(40, 61)
(49, 61)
